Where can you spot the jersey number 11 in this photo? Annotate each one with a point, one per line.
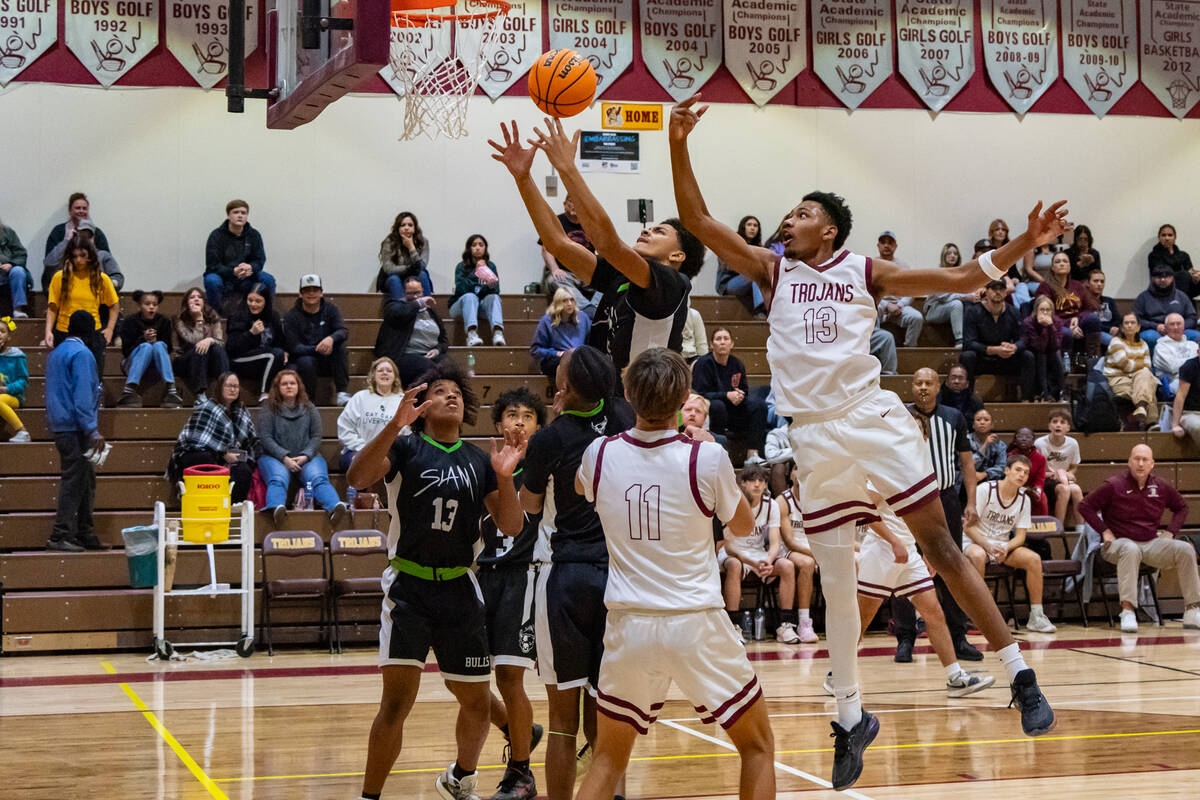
(643, 511)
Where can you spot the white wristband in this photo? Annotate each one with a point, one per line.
(989, 269)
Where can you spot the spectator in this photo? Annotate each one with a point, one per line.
(555, 274)
(794, 544)
(1107, 315)
(1062, 460)
(721, 377)
(13, 272)
(370, 410)
(234, 257)
(775, 242)
(315, 338)
(948, 307)
(1040, 336)
(78, 210)
(560, 329)
(693, 420)
(1084, 258)
(1127, 510)
(1020, 282)
(987, 451)
(411, 333)
(695, 339)
(898, 310)
(477, 286)
(1023, 445)
(1127, 367)
(81, 286)
(255, 340)
(146, 352)
(403, 254)
(72, 401)
(1161, 298)
(290, 431)
(1186, 408)
(991, 340)
(1167, 254)
(777, 452)
(883, 348)
(1074, 307)
(14, 375)
(956, 393)
(219, 431)
(199, 351)
(54, 259)
(739, 286)
(1171, 351)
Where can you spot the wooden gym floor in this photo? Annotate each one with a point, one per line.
(295, 727)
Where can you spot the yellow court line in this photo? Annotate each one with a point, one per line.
(189, 762)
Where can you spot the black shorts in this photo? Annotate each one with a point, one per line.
(508, 602)
(570, 619)
(445, 615)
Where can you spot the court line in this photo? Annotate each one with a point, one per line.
(183, 755)
(1135, 661)
(831, 714)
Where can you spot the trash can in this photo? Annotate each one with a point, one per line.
(141, 550)
(205, 504)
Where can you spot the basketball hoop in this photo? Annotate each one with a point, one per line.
(438, 58)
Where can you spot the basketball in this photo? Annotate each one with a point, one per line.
(562, 83)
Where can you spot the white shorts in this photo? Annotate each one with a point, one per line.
(880, 576)
(875, 439)
(697, 650)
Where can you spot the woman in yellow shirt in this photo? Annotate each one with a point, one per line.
(81, 285)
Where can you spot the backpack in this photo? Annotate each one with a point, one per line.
(1095, 409)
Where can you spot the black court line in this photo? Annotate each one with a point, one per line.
(1135, 661)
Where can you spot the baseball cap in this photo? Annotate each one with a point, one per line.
(888, 235)
(310, 280)
(85, 225)
(996, 284)
(982, 245)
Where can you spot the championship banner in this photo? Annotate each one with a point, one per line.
(765, 45)
(852, 46)
(111, 36)
(27, 29)
(1099, 40)
(518, 43)
(599, 30)
(411, 49)
(1170, 45)
(936, 46)
(681, 43)
(198, 37)
(1020, 48)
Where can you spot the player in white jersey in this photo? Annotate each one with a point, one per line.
(845, 428)
(795, 547)
(999, 535)
(656, 492)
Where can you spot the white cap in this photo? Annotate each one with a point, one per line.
(310, 280)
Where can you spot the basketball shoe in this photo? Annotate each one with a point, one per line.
(452, 788)
(848, 748)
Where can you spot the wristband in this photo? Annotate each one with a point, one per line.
(990, 269)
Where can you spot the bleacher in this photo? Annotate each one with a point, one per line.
(57, 601)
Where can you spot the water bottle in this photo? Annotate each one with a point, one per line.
(1066, 359)
(760, 624)
(299, 504)
(747, 625)
(471, 364)
(351, 493)
(308, 496)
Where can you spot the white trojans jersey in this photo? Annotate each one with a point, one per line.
(821, 321)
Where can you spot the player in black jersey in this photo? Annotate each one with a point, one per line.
(439, 488)
(570, 612)
(645, 286)
(506, 577)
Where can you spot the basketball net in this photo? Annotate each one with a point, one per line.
(438, 59)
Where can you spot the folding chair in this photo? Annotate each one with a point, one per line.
(1056, 569)
(282, 546)
(1103, 570)
(352, 553)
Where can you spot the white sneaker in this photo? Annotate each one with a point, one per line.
(807, 634)
(1191, 617)
(1128, 621)
(1039, 623)
(473, 339)
(461, 789)
(498, 337)
(964, 684)
(18, 314)
(786, 633)
(22, 436)
(342, 398)
(827, 684)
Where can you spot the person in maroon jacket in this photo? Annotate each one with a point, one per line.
(1127, 509)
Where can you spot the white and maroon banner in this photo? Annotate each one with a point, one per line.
(852, 46)
(765, 45)
(1020, 48)
(599, 30)
(1170, 45)
(413, 48)
(198, 37)
(111, 36)
(517, 44)
(27, 29)
(1099, 40)
(936, 47)
(681, 43)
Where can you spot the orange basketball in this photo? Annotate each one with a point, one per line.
(562, 83)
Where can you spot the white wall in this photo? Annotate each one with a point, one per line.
(159, 165)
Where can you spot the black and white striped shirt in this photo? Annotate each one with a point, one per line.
(946, 431)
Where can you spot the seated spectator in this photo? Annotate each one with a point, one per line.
(199, 348)
(403, 254)
(78, 210)
(254, 340)
(1127, 510)
(1107, 314)
(1084, 258)
(998, 536)
(146, 352)
(956, 393)
(777, 455)
(794, 543)
(219, 431)
(739, 286)
(370, 410)
(1062, 460)
(774, 243)
(1023, 445)
(1152, 306)
(1171, 351)
(695, 340)
(895, 309)
(991, 340)
(693, 420)
(315, 338)
(948, 307)
(556, 276)
(1127, 367)
(85, 233)
(1185, 411)
(721, 377)
(1020, 281)
(14, 375)
(477, 286)
(1040, 335)
(81, 286)
(290, 434)
(560, 329)
(234, 257)
(988, 451)
(13, 272)
(1074, 307)
(1167, 254)
(883, 348)
(411, 333)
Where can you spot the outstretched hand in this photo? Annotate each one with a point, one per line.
(511, 154)
(1046, 226)
(555, 143)
(506, 459)
(684, 117)
(408, 411)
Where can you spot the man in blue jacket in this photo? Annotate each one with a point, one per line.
(72, 400)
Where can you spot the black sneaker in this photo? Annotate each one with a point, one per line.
(848, 747)
(129, 399)
(516, 785)
(63, 545)
(966, 651)
(904, 648)
(535, 737)
(1037, 717)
